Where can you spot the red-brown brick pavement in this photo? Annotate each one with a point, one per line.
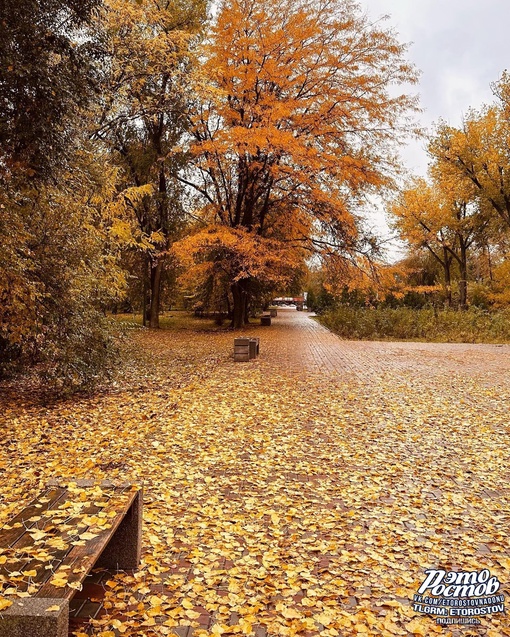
(297, 345)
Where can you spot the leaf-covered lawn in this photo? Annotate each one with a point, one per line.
(278, 502)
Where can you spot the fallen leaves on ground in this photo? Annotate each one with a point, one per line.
(277, 501)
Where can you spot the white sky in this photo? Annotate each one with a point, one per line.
(460, 46)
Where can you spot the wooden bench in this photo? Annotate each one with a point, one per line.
(48, 549)
(246, 348)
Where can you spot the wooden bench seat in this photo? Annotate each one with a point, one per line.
(48, 549)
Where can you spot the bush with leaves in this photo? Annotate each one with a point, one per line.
(471, 326)
(60, 270)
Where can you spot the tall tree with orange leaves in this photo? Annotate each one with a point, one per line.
(296, 122)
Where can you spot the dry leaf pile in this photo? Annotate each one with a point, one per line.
(277, 503)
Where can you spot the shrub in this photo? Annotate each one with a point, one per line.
(472, 326)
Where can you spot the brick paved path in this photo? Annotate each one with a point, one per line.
(316, 482)
(303, 345)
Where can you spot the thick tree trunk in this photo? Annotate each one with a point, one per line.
(240, 298)
(463, 277)
(447, 277)
(144, 291)
(156, 271)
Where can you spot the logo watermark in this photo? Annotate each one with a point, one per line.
(459, 597)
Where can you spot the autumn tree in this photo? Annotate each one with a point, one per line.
(478, 153)
(47, 75)
(444, 217)
(295, 124)
(142, 114)
(61, 218)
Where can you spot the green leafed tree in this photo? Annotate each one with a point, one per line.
(60, 211)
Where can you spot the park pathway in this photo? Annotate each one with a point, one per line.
(300, 494)
(300, 344)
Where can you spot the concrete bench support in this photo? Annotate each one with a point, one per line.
(124, 549)
(29, 617)
(254, 347)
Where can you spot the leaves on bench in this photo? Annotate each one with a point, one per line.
(44, 540)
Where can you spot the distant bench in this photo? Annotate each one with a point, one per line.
(246, 348)
(72, 529)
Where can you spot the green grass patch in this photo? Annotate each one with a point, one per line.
(440, 326)
(176, 320)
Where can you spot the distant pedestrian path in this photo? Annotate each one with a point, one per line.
(300, 344)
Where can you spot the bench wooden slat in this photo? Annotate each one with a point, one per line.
(84, 557)
(58, 555)
(8, 537)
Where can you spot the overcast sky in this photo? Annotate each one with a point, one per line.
(460, 46)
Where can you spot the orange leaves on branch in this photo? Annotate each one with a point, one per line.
(477, 156)
(298, 122)
(302, 104)
(239, 252)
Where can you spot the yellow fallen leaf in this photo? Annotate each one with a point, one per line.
(149, 622)
(58, 582)
(51, 609)
(78, 586)
(170, 622)
(57, 543)
(118, 625)
(417, 627)
(37, 535)
(4, 603)
(154, 600)
(87, 535)
(31, 573)
(323, 618)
